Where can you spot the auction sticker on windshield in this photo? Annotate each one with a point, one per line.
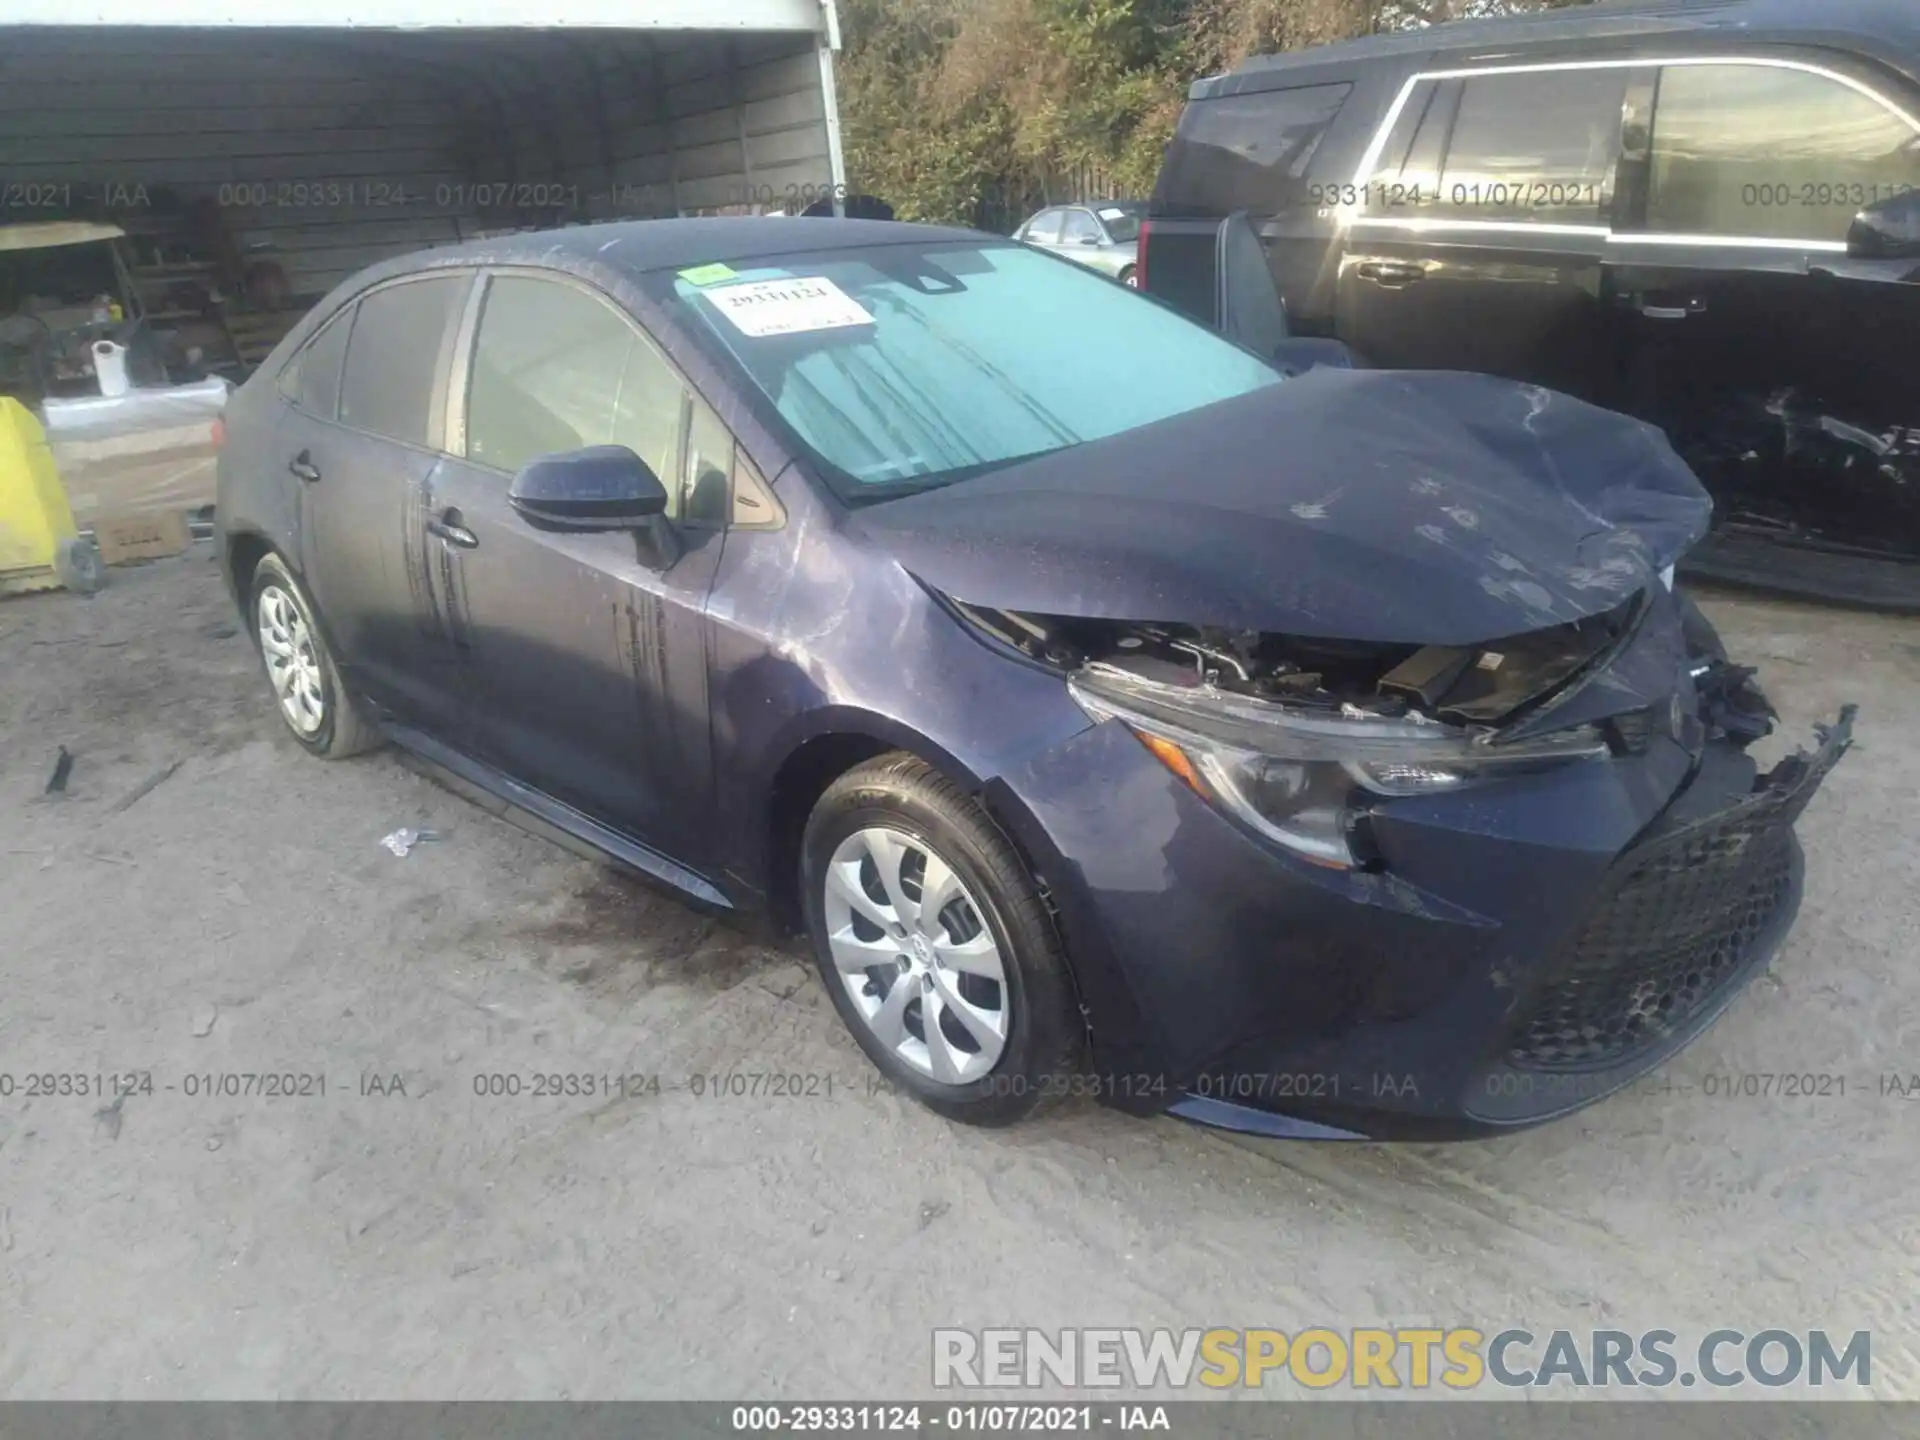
(788, 307)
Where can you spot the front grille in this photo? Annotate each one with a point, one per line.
(1677, 923)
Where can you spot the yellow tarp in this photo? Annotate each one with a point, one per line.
(35, 520)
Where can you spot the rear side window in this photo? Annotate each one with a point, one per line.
(1247, 152)
(556, 369)
(1750, 150)
(1407, 177)
(1539, 148)
(393, 359)
(312, 380)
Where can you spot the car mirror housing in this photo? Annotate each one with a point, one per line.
(1889, 230)
(603, 487)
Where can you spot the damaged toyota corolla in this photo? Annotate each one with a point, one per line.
(1323, 755)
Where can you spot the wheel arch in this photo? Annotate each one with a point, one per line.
(816, 760)
(245, 550)
(833, 744)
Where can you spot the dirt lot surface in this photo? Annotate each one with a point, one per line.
(241, 916)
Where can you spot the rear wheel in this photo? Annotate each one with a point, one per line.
(935, 946)
(1129, 278)
(305, 682)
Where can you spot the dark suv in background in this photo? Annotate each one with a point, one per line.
(1705, 213)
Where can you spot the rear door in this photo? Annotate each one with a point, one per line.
(587, 653)
(1476, 238)
(363, 472)
(1779, 365)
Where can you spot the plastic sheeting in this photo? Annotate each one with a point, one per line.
(1384, 506)
(145, 450)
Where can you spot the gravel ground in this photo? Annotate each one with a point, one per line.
(240, 916)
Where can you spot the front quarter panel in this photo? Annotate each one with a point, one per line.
(815, 633)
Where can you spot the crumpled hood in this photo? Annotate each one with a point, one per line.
(1371, 505)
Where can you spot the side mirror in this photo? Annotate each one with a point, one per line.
(604, 487)
(1889, 230)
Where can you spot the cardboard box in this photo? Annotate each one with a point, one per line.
(145, 536)
(145, 451)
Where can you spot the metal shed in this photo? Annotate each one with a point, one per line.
(313, 138)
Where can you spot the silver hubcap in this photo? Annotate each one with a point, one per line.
(916, 956)
(292, 663)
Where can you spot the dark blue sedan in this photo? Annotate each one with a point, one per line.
(1116, 715)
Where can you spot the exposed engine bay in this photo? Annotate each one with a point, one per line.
(1481, 689)
(1480, 686)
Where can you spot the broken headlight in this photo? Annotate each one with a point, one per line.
(1302, 778)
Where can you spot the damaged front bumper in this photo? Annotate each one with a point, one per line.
(1685, 917)
(1526, 948)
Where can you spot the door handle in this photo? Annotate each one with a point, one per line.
(1393, 274)
(1674, 312)
(303, 466)
(447, 527)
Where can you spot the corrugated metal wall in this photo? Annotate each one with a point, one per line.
(333, 149)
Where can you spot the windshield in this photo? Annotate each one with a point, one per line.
(903, 367)
(1122, 222)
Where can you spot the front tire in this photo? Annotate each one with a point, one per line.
(306, 686)
(933, 941)
(1129, 278)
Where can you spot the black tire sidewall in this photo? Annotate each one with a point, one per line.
(273, 571)
(1029, 1072)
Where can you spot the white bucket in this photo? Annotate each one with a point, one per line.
(110, 367)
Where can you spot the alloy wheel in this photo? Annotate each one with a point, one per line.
(293, 663)
(914, 951)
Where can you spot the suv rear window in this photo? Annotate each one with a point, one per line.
(1247, 152)
(1534, 147)
(393, 359)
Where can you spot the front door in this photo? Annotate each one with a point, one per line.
(1477, 244)
(361, 466)
(587, 651)
(1780, 366)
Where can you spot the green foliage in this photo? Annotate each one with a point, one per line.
(979, 111)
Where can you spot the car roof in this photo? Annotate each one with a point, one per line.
(639, 246)
(1888, 28)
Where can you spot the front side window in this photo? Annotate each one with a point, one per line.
(1539, 148)
(1080, 228)
(557, 369)
(393, 358)
(904, 367)
(1247, 152)
(1766, 152)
